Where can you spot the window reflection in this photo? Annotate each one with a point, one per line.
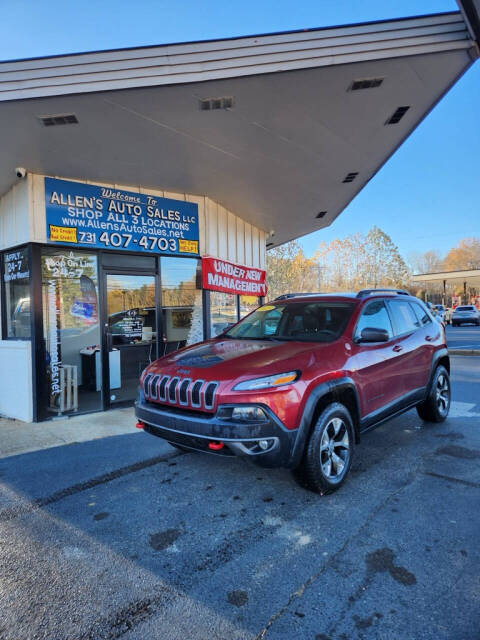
(181, 303)
(71, 330)
(223, 311)
(16, 278)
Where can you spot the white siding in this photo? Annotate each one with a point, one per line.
(16, 376)
(14, 219)
(222, 233)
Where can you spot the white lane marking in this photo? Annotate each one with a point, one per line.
(463, 410)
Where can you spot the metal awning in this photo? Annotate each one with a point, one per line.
(469, 277)
(283, 129)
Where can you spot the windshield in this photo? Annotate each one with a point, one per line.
(465, 309)
(297, 321)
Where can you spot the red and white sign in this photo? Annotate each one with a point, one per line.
(220, 275)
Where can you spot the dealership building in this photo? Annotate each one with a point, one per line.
(141, 188)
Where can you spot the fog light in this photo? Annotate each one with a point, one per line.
(249, 414)
(263, 444)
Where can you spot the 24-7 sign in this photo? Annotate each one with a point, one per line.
(89, 215)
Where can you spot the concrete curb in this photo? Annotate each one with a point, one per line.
(464, 352)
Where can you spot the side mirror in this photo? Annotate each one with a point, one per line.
(371, 334)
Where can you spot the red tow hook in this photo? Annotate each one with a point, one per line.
(140, 425)
(215, 446)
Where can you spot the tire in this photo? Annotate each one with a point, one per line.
(328, 452)
(437, 405)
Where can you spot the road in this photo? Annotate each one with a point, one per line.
(128, 538)
(467, 336)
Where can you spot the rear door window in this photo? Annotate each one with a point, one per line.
(404, 319)
(374, 316)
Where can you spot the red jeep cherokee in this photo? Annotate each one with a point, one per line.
(297, 381)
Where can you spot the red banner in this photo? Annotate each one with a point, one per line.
(220, 275)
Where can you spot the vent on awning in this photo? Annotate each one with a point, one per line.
(210, 104)
(320, 214)
(365, 83)
(350, 177)
(50, 121)
(398, 115)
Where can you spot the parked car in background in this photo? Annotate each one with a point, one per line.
(441, 312)
(434, 311)
(295, 383)
(465, 314)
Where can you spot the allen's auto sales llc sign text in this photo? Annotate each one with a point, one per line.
(220, 275)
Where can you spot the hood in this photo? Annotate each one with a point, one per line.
(228, 359)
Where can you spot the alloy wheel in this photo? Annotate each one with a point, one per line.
(442, 394)
(334, 449)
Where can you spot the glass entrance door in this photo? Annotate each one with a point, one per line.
(131, 331)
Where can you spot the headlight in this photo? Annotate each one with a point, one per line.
(268, 382)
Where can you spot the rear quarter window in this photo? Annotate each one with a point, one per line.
(404, 318)
(421, 314)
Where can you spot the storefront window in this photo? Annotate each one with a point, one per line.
(248, 304)
(223, 311)
(16, 278)
(71, 330)
(181, 303)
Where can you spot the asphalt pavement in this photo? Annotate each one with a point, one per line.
(467, 336)
(126, 537)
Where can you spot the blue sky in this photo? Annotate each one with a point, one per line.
(425, 197)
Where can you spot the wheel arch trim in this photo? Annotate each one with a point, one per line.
(330, 387)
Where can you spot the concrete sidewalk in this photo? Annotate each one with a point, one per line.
(19, 437)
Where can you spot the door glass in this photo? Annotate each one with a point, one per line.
(374, 316)
(223, 311)
(71, 331)
(131, 331)
(181, 303)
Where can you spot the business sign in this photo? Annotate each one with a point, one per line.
(16, 266)
(85, 215)
(220, 275)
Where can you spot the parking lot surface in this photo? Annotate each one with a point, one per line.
(125, 537)
(467, 336)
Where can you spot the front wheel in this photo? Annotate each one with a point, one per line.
(437, 404)
(329, 451)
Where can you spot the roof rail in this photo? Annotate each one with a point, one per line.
(367, 292)
(285, 296)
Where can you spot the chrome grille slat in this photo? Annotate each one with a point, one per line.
(162, 395)
(209, 395)
(180, 391)
(196, 390)
(183, 391)
(153, 387)
(172, 390)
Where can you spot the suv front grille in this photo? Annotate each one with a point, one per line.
(185, 392)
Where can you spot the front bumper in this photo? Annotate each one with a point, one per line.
(196, 431)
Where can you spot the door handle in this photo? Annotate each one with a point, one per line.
(428, 338)
(397, 348)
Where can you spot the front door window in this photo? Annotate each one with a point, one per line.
(131, 331)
